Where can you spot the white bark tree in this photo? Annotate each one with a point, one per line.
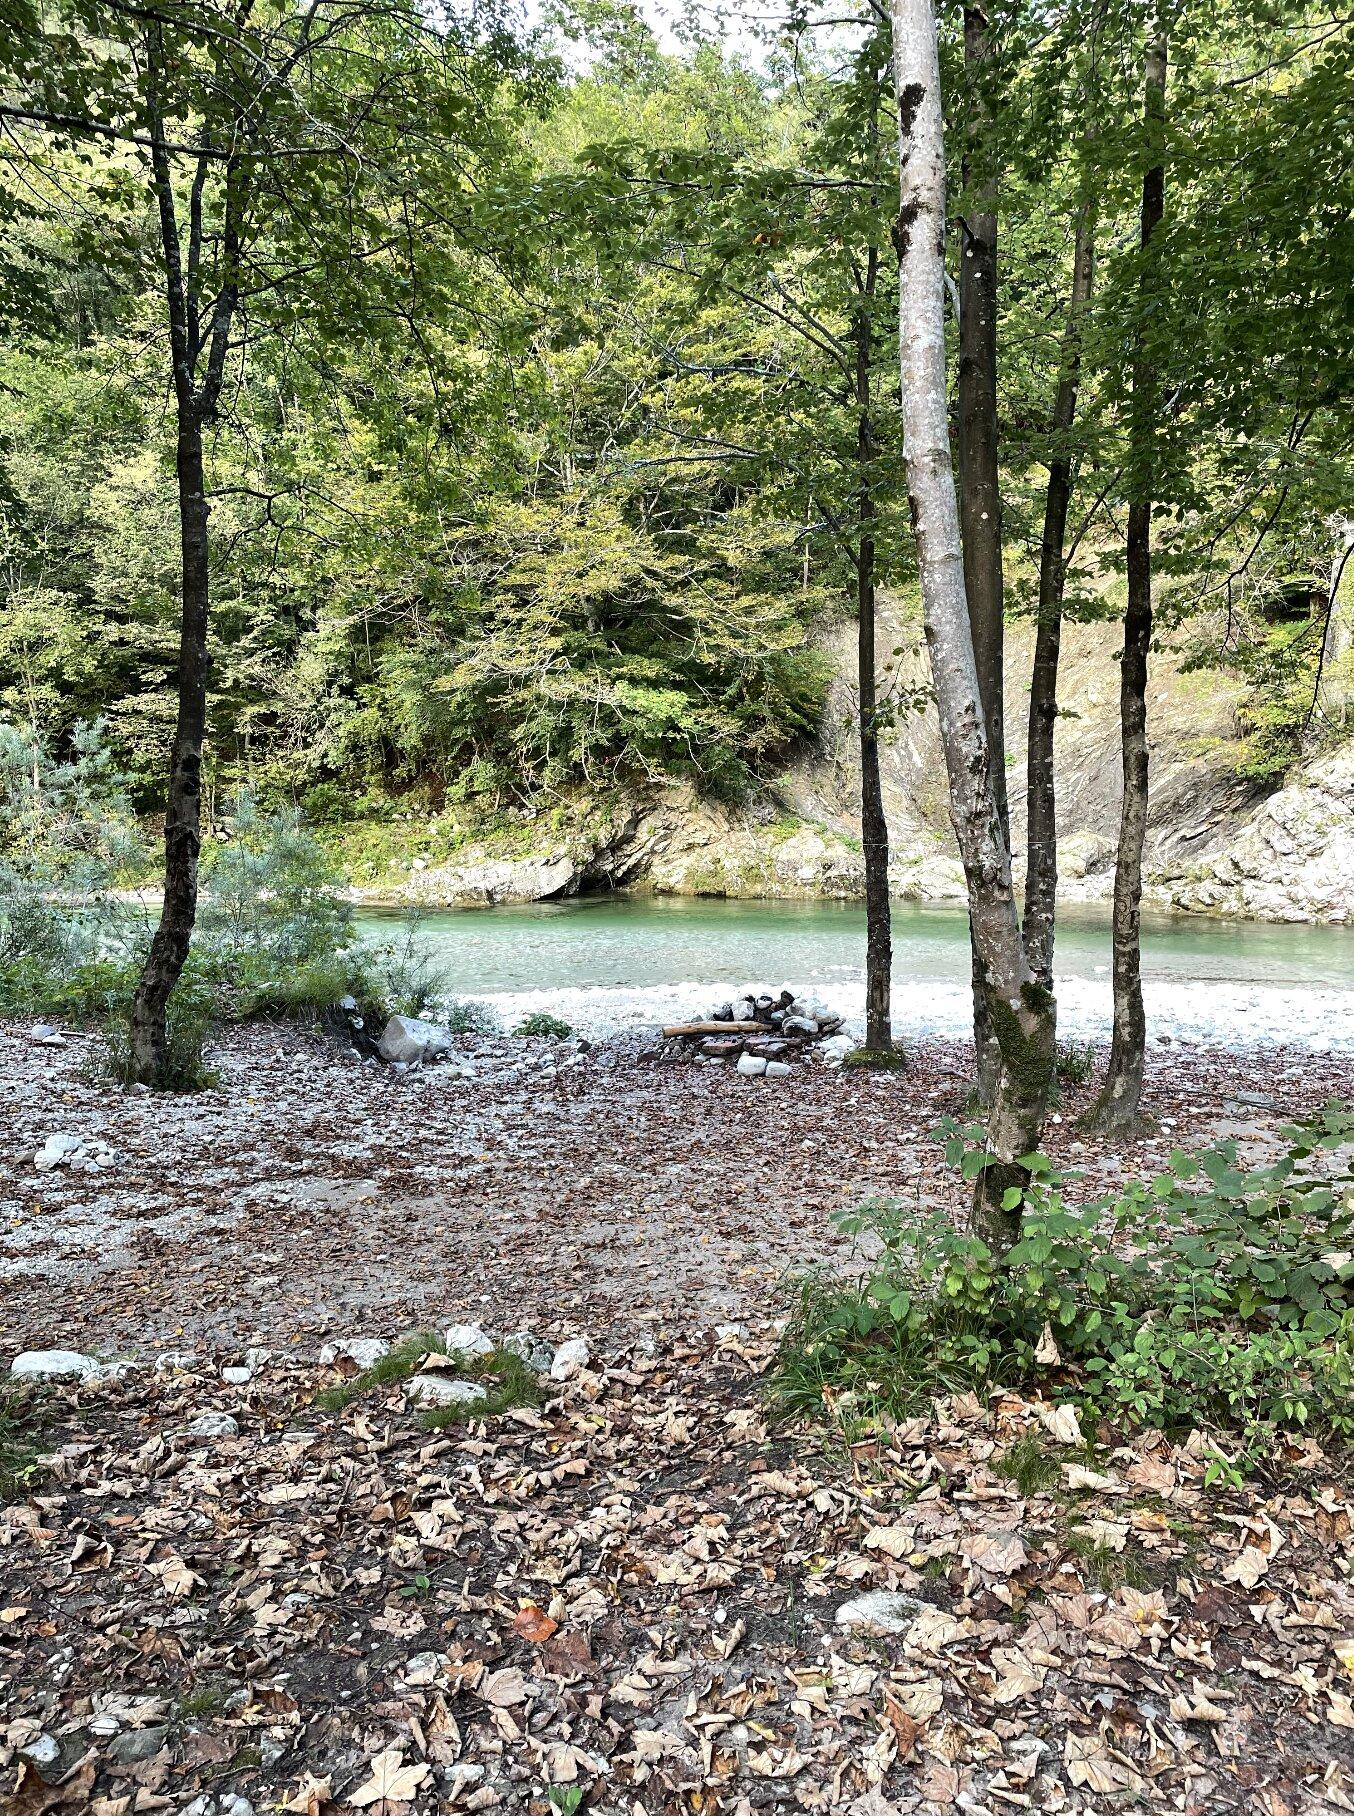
(1021, 1009)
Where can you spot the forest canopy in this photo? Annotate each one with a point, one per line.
(560, 505)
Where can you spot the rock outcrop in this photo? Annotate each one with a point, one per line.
(1214, 845)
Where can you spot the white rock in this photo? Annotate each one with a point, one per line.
(799, 1024)
(750, 1065)
(836, 1047)
(45, 1750)
(570, 1357)
(232, 1804)
(237, 1377)
(44, 1036)
(52, 1364)
(467, 1340)
(777, 1068)
(434, 1389)
(256, 1355)
(58, 1151)
(880, 1611)
(365, 1351)
(411, 1042)
(175, 1358)
(212, 1425)
(533, 1350)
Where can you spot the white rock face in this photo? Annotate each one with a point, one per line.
(53, 1365)
(570, 1357)
(411, 1042)
(750, 1065)
(467, 1340)
(364, 1351)
(435, 1389)
(1292, 861)
(212, 1425)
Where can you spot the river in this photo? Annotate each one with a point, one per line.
(611, 961)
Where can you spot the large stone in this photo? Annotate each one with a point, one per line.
(433, 1388)
(533, 1350)
(751, 1066)
(836, 1048)
(212, 1425)
(570, 1358)
(53, 1365)
(411, 1042)
(881, 1611)
(138, 1744)
(777, 1068)
(364, 1351)
(467, 1340)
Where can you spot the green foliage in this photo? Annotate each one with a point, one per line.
(20, 1468)
(544, 1026)
(508, 1381)
(1208, 1296)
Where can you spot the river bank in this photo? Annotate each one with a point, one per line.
(228, 1592)
(307, 1193)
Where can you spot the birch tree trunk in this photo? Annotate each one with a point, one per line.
(979, 480)
(1041, 841)
(1020, 1008)
(1119, 1106)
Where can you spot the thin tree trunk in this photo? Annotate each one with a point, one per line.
(1021, 1009)
(873, 823)
(1041, 842)
(195, 404)
(1118, 1109)
(979, 480)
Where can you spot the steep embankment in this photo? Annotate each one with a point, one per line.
(1215, 844)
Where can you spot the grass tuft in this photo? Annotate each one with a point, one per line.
(1026, 1463)
(20, 1469)
(398, 1364)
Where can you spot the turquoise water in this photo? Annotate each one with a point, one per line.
(603, 961)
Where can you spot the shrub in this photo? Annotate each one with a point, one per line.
(545, 1026)
(1207, 1295)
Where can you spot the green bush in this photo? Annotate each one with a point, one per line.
(545, 1026)
(1205, 1296)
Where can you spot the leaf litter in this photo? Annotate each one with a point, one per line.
(626, 1599)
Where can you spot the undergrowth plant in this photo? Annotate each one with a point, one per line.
(1208, 1296)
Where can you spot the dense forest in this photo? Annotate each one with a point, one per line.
(536, 457)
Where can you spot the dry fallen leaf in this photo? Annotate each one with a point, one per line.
(534, 1624)
(391, 1780)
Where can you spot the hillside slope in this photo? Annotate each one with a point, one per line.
(1215, 844)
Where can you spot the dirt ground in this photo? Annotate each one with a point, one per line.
(309, 1195)
(639, 1595)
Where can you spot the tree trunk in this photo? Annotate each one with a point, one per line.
(1118, 1109)
(979, 481)
(1021, 1009)
(1041, 842)
(195, 404)
(183, 807)
(873, 824)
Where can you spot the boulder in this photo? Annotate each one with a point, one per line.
(836, 1047)
(237, 1377)
(570, 1358)
(533, 1350)
(433, 1388)
(212, 1425)
(467, 1340)
(777, 1068)
(54, 1365)
(881, 1611)
(411, 1042)
(751, 1066)
(364, 1351)
(799, 1024)
(138, 1744)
